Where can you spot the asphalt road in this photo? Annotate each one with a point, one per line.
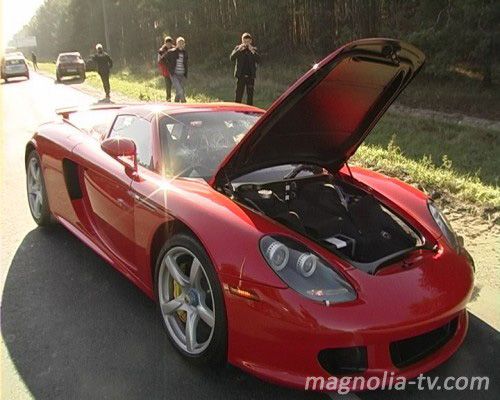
(74, 328)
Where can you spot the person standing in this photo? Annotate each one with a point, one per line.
(34, 61)
(103, 63)
(245, 58)
(177, 64)
(162, 65)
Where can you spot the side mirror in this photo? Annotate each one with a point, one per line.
(118, 147)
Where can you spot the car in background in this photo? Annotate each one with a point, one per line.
(14, 65)
(70, 64)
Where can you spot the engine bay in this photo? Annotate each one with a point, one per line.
(340, 216)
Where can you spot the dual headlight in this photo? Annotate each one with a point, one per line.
(304, 271)
(444, 225)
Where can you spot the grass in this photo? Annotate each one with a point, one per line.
(463, 149)
(202, 86)
(443, 158)
(437, 180)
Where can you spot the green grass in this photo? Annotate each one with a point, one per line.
(438, 180)
(201, 85)
(439, 157)
(467, 150)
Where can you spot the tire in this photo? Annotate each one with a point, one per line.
(58, 78)
(83, 77)
(214, 351)
(40, 213)
(28, 76)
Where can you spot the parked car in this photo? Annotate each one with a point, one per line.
(259, 243)
(70, 64)
(14, 65)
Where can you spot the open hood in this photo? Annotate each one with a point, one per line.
(324, 116)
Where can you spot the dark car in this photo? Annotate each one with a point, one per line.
(70, 64)
(14, 65)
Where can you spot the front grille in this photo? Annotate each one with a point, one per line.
(408, 351)
(343, 361)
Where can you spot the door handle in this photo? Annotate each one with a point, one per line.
(145, 203)
(121, 203)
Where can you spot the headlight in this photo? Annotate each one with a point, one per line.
(304, 271)
(444, 225)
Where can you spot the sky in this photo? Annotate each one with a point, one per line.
(14, 15)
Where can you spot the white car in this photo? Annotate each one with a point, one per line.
(14, 65)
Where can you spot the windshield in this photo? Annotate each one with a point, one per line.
(14, 62)
(69, 58)
(195, 143)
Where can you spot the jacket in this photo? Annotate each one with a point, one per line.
(245, 62)
(162, 62)
(171, 59)
(103, 62)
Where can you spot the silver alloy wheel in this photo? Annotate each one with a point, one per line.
(35, 187)
(189, 311)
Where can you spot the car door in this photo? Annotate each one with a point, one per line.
(109, 190)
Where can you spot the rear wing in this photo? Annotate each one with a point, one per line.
(67, 111)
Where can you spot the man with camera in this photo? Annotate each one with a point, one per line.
(246, 58)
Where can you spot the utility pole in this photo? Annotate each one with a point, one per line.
(106, 30)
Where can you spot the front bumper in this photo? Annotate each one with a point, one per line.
(71, 71)
(279, 338)
(15, 74)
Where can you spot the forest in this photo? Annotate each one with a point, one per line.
(456, 34)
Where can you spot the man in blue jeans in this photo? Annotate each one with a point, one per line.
(177, 64)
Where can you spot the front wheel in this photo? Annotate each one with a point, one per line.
(37, 194)
(190, 301)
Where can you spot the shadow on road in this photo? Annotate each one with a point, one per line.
(69, 81)
(14, 80)
(76, 329)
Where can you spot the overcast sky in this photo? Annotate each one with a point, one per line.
(15, 14)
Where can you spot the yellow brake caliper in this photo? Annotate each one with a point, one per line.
(177, 292)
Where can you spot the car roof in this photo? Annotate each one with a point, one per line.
(14, 56)
(148, 110)
(73, 53)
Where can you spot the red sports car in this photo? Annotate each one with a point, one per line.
(260, 244)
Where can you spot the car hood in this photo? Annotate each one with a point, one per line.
(324, 116)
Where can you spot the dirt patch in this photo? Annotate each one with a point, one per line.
(452, 118)
(482, 240)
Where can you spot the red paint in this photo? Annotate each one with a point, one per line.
(278, 336)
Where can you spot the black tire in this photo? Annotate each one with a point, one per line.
(83, 77)
(215, 354)
(58, 78)
(45, 217)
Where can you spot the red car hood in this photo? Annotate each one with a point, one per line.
(324, 116)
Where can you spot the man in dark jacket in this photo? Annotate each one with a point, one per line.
(34, 61)
(103, 65)
(162, 65)
(246, 58)
(177, 64)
